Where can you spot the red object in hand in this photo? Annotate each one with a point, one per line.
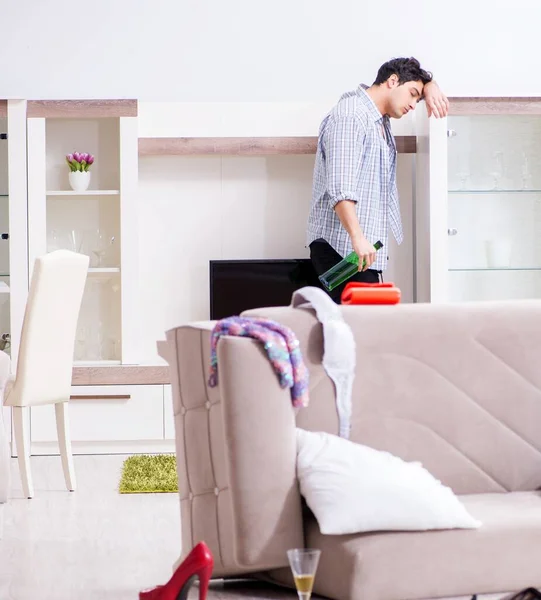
(197, 565)
(370, 293)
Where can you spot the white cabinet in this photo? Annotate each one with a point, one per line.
(478, 202)
(106, 419)
(13, 222)
(100, 221)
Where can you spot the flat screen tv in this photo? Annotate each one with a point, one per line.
(237, 285)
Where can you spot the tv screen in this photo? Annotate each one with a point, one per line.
(237, 285)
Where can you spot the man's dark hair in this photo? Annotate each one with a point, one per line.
(406, 69)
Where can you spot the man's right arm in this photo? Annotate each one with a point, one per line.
(344, 146)
(345, 209)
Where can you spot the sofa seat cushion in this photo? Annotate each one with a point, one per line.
(504, 554)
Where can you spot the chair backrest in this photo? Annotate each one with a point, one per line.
(45, 361)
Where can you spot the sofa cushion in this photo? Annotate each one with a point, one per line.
(504, 554)
(352, 488)
(456, 387)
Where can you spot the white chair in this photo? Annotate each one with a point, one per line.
(45, 361)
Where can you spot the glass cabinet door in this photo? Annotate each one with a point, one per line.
(5, 329)
(494, 207)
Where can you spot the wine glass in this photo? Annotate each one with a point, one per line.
(303, 563)
(463, 177)
(54, 241)
(102, 245)
(498, 166)
(525, 171)
(76, 240)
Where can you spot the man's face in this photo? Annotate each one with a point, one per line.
(403, 98)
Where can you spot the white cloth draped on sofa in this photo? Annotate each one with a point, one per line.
(339, 357)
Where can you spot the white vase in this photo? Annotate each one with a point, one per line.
(79, 180)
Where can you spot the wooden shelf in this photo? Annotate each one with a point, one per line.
(3, 109)
(81, 109)
(121, 375)
(494, 106)
(245, 146)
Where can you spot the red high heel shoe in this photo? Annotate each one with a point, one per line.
(198, 564)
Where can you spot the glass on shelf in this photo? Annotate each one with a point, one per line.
(73, 240)
(497, 169)
(497, 209)
(464, 178)
(499, 253)
(102, 246)
(76, 240)
(54, 241)
(525, 172)
(98, 337)
(97, 244)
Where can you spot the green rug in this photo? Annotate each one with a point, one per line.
(145, 474)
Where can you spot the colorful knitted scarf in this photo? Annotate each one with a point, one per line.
(281, 346)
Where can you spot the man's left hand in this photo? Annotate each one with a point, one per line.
(436, 101)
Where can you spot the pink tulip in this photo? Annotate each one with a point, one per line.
(69, 157)
(77, 156)
(90, 159)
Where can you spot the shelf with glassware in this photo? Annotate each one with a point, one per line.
(5, 316)
(483, 190)
(82, 196)
(91, 225)
(13, 230)
(494, 207)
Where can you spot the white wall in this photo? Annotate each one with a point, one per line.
(293, 58)
(195, 209)
(249, 50)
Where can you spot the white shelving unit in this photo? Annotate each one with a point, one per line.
(5, 326)
(13, 221)
(479, 202)
(97, 222)
(101, 222)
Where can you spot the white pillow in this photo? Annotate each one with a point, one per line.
(352, 488)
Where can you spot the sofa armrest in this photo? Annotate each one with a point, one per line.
(236, 453)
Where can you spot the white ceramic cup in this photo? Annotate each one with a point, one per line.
(498, 253)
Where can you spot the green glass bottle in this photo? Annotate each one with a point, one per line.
(342, 271)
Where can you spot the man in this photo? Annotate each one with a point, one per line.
(355, 198)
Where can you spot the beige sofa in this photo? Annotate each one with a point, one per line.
(456, 387)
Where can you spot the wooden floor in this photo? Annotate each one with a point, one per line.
(95, 544)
